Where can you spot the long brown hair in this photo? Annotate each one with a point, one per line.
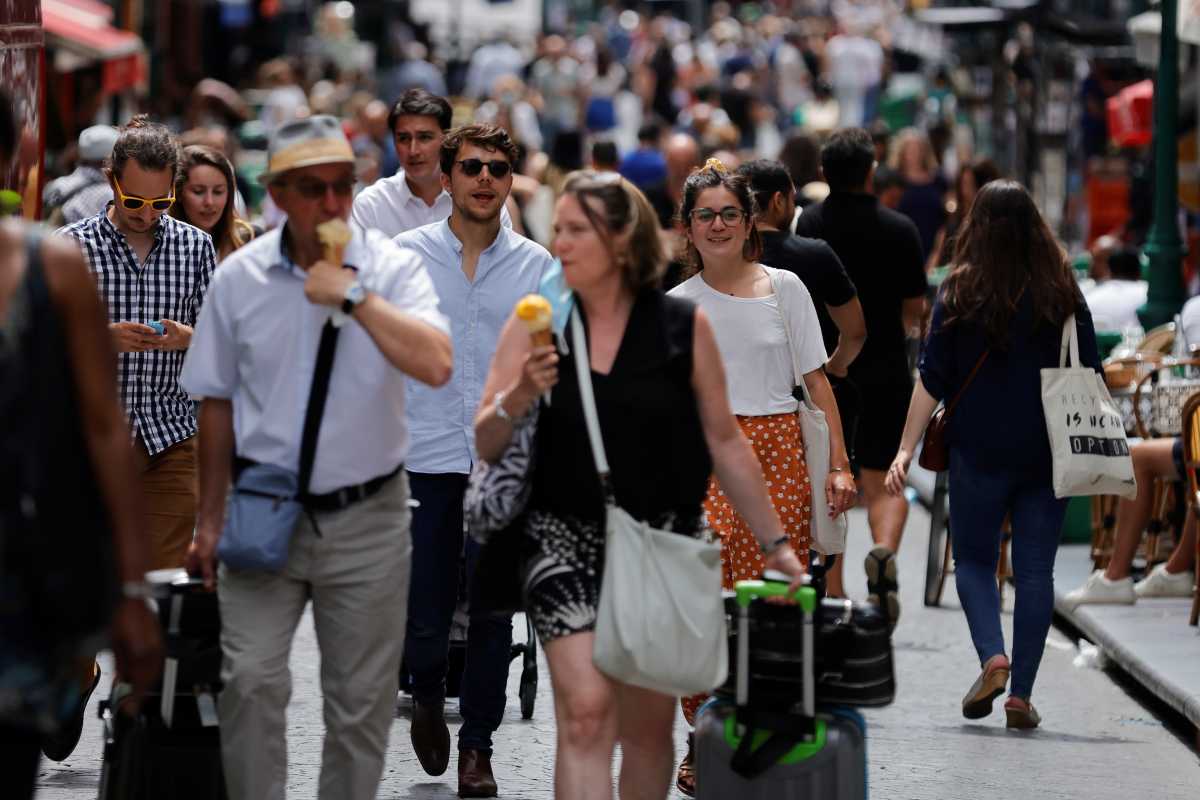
(230, 232)
(625, 211)
(1005, 249)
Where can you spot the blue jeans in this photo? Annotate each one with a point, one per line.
(979, 501)
(437, 535)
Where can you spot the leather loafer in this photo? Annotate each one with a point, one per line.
(475, 774)
(430, 737)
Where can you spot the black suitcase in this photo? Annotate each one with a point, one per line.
(171, 749)
(854, 663)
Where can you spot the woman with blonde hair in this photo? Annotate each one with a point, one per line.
(666, 426)
(767, 331)
(204, 190)
(924, 198)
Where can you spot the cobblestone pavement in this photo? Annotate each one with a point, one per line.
(1096, 741)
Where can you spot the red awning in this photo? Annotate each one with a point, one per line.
(84, 28)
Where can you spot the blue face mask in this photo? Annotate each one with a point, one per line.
(554, 288)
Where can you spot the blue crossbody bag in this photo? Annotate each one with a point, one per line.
(266, 502)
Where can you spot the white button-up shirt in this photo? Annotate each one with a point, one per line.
(390, 207)
(442, 421)
(256, 344)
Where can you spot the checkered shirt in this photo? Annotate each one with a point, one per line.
(170, 285)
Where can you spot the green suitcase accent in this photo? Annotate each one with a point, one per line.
(801, 752)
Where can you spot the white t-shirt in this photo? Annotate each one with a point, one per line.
(754, 344)
(1114, 304)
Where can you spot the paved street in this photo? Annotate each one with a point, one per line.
(1096, 742)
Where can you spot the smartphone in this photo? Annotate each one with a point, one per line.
(159, 328)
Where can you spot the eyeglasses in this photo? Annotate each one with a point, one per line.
(133, 202)
(473, 166)
(312, 189)
(729, 215)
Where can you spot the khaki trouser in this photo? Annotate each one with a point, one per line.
(356, 573)
(169, 488)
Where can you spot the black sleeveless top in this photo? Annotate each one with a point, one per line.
(649, 419)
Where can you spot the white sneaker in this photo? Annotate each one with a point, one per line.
(1100, 590)
(1160, 583)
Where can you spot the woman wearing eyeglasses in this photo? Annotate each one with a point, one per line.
(756, 332)
(204, 192)
(665, 421)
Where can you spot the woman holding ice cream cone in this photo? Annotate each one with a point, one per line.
(665, 420)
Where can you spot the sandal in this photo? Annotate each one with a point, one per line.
(987, 687)
(882, 587)
(1021, 714)
(685, 781)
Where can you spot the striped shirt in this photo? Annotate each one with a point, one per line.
(170, 285)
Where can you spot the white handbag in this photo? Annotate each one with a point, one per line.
(828, 533)
(1087, 435)
(661, 621)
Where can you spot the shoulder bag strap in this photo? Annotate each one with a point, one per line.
(970, 377)
(316, 402)
(780, 304)
(583, 371)
(1070, 344)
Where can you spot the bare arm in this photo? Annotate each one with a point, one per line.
(840, 492)
(913, 314)
(135, 636)
(852, 334)
(522, 374)
(920, 409)
(215, 462)
(734, 462)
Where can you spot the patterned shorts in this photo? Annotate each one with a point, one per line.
(563, 559)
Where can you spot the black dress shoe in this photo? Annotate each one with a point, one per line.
(475, 774)
(430, 738)
(59, 745)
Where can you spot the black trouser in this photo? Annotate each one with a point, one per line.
(20, 752)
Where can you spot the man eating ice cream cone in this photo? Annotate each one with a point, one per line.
(327, 403)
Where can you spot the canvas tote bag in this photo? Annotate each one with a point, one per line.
(661, 621)
(828, 534)
(1087, 435)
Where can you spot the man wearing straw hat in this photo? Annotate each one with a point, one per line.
(254, 358)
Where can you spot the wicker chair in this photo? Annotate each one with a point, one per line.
(1191, 457)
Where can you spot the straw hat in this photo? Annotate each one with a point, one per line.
(306, 143)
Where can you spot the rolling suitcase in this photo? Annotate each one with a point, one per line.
(752, 753)
(171, 749)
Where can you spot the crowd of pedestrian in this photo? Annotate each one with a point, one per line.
(735, 240)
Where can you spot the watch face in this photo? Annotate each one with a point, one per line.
(356, 293)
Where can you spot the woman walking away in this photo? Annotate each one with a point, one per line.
(204, 194)
(666, 426)
(1000, 317)
(757, 329)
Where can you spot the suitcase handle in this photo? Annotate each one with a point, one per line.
(806, 598)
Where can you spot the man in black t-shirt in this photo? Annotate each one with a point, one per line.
(881, 251)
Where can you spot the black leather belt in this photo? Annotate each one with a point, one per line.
(348, 495)
(338, 498)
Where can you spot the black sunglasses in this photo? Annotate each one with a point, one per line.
(312, 189)
(473, 166)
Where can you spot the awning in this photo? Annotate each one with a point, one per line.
(83, 29)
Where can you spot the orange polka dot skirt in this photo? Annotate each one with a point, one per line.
(779, 445)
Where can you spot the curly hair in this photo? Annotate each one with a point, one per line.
(712, 177)
(148, 143)
(485, 135)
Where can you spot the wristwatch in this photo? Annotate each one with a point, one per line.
(354, 297)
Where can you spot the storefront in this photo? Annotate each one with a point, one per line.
(22, 70)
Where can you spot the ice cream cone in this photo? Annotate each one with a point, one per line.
(334, 235)
(535, 311)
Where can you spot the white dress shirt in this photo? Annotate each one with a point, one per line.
(390, 207)
(256, 344)
(442, 421)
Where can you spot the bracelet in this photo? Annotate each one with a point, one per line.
(839, 469)
(498, 406)
(136, 590)
(767, 549)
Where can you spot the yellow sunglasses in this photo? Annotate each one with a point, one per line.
(133, 202)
